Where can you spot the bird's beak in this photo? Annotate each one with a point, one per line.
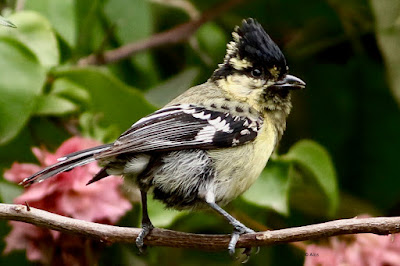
(289, 82)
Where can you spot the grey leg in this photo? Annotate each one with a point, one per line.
(147, 226)
(238, 227)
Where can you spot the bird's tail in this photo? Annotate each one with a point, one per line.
(65, 163)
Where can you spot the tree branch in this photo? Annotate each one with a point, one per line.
(163, 237)
(174, 35)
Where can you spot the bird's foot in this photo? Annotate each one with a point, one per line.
(146, 229)
(247, 253)
(240, 229)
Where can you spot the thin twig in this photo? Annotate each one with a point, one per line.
(184, 5)
(163, 237)
(257, 226)
(175, 35)
(19, 5)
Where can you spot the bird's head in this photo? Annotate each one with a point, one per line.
(255, 70)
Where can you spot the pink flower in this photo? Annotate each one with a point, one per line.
(355, 250)
(65, 194)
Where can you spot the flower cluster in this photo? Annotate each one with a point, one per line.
(65, 194)
(355, 250)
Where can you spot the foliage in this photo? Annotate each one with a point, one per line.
(46, 97)
(388, 36)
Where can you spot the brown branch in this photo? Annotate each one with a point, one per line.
(163, 237)
(174, 35)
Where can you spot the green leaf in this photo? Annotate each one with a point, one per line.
(35, 32)
(89, 26)
(9, 192)
(45, 131)
(312, 158)
(387, 29)
(168, 90)
(133, 21)
(21, 80)
(17, 150)
(212, 40)
(61, 14)
(90, 128)
(271, 189)
(54, 105)
(70, 90)
(116, 103)
(306, 195)
(159, 215)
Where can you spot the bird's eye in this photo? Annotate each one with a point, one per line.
(256, 72)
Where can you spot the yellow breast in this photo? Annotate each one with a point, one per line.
(237, 168)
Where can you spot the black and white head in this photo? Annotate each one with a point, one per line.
(255, 69)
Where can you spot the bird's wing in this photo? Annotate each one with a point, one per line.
(185, 127)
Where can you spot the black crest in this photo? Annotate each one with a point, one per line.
(252, 44)
(255, 45)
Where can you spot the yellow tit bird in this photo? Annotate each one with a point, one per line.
(210, 144)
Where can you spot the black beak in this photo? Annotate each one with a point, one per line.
(289, 82)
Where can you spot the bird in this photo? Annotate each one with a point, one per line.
(208, 145)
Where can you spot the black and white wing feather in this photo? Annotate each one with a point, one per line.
(173, 128)
(185, 127)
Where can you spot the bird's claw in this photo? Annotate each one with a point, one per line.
(257, 251)
(146, 229)
(246, 258)
(247, 252)
(240, 229)
(232, 244)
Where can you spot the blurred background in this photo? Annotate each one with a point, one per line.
(63, 74)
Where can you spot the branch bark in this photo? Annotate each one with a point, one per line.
(174, 35)
(164, 237)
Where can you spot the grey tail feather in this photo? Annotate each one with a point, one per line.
(100, 175)
(65, 163)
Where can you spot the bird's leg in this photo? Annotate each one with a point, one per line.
(238, 227)
(147, 226)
